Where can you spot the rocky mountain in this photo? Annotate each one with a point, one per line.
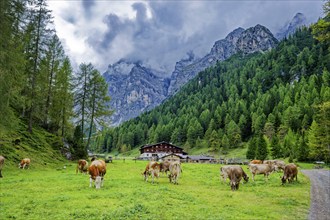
(254, 39)
(134, 88)
(290, 27)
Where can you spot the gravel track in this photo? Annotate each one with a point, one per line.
(320, 194)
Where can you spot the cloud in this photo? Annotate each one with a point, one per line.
(160, 33)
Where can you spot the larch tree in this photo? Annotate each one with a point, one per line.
(37, 32)
(98, 102)
(12, 60)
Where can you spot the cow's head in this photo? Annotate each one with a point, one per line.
(283, 180)
(233, 185)
(98, 181)
(246, 178)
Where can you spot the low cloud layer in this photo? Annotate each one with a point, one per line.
(159, 33)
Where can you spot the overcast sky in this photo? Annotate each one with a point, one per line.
(160, 33)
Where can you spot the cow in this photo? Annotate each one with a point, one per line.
(290, 172)
(165, 166)
(279, 164)
(2, 161)
(256, 162)
(265, 169)
(175, 171)
(25, 163)
(97, 170)
(153, 169)
(235, 174)
(82, 166)
(225, 172)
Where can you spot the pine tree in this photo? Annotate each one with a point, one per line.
(261, 151)
(37, 34)
(98, 101)
(319, 133)
(275, 147)
(252, 149)
(12, 61)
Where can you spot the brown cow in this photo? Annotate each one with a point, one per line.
(2, 161)
(290, 172)
(153, 169)
(175, 171)
(256, 162)
(82, 166)
(97, 170)
(165, 166)
(25, 163)
(265, 169)
(235, 175)
(225, 172)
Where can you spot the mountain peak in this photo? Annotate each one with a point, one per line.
(290, 27)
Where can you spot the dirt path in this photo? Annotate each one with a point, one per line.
(320, 194)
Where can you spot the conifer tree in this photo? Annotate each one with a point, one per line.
(261, 151)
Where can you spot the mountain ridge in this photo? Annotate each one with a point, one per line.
(131, 77)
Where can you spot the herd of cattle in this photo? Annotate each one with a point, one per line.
(235, 173)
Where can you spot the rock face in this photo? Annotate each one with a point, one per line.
(135, 89)
(290, 27)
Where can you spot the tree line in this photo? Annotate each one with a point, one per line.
(38, 86)
(276, 103)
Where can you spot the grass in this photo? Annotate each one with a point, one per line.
(44, 192)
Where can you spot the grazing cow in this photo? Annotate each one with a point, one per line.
(225, 172)
(290, 172)
(82, 166)
(235, 175)
(165, 166)
(175, 171)
(25, 163)
(153, 169)
(2, 161)
(256, 162)
(265, 169)
(97, 170)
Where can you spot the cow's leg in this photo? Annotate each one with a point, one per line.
(253, 177)
(0, 174)
(90, 182)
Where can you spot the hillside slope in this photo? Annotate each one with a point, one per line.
(43, 148)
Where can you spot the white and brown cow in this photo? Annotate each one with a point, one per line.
(97, 170)
(82, 166)
(290, 172)
(236, 173)
(225, 172)
(25, 163)
(265, 169)
(153, 169)
(2, 161)
(175, 171)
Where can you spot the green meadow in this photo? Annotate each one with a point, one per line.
(49, 192)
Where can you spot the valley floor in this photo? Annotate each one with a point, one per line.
(48, 193)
